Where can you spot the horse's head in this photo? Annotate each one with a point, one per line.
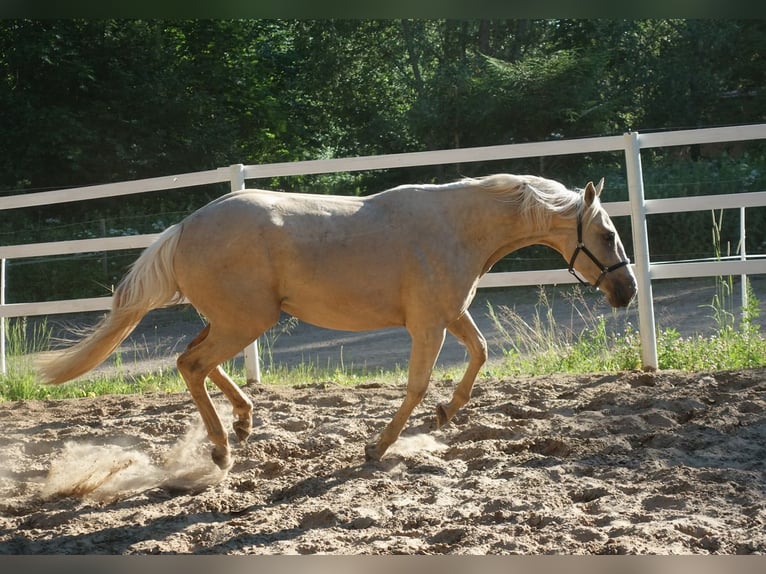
(597, 255)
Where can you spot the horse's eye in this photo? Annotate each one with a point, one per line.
(609, 236)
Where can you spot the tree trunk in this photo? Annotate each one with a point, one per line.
(413, 57)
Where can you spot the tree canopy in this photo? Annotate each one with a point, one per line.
(94, 101)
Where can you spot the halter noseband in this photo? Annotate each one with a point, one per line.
(581, 247)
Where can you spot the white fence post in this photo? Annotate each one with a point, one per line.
(743, 257)
(641, 251)
(2, 319)
(252, 364)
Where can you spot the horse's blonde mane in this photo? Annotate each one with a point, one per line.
(537, 198)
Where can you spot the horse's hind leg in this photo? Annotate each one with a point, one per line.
(465, 330)
(194, 364)
(241, 404)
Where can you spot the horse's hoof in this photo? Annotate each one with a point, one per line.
(242, 428)
(371, 452)
(441, 416)
(221, 457)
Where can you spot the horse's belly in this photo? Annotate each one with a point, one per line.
(344, 313)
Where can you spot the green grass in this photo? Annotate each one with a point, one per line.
(545, 346)
(25, 339)
(590, 342)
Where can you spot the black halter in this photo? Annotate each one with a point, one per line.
(581, 247)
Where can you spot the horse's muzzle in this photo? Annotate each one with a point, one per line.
(620, 288)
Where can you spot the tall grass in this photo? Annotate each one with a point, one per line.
(735, 343)
(544, 345)
(24, 340)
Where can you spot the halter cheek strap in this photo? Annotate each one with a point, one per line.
(581, 247)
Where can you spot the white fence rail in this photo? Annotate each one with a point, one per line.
(637, 208)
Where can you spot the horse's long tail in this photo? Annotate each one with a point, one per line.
(149, 284)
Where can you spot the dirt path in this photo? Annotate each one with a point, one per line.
(618, 463)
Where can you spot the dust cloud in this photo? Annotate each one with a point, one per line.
(419, 443)
(105, 473)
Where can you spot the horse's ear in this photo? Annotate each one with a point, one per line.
(592, 192)
(600, 186)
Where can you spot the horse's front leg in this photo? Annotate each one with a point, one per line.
(465, 330)
(425, 349)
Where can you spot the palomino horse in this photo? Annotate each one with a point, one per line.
(411, 256)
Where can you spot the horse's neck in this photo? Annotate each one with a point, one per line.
(497, 229)
(485, 220)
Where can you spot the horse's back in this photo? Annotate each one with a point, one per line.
(317, 256)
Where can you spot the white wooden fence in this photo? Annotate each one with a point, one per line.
(637, 208)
